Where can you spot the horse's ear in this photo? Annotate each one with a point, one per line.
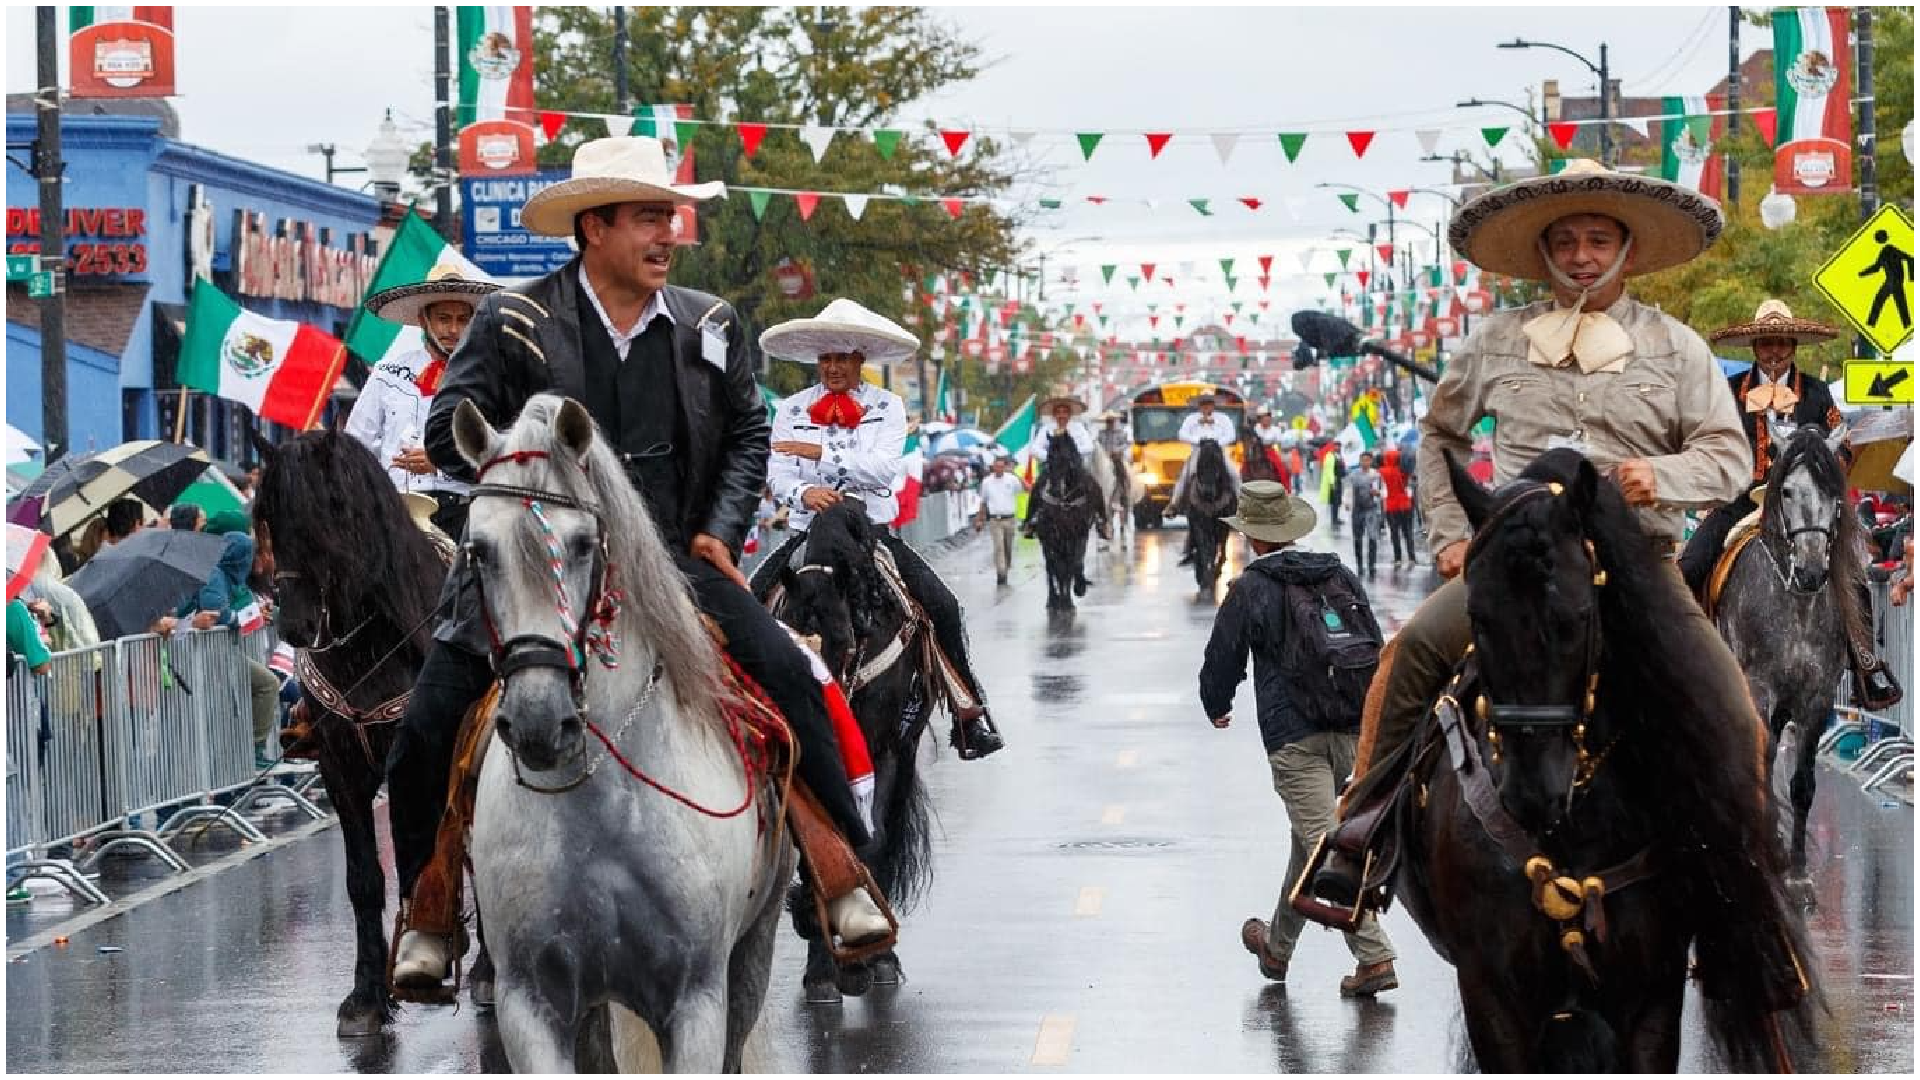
(574, 426)
(1586, 484)
(261, 446)
(1474, 499)
(1837, 438)
(474, 437)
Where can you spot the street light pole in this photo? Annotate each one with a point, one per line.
(443, 127)
(48, 169)
(1606, 111)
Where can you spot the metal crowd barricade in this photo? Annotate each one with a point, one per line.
(1889, 752)
(28, 839)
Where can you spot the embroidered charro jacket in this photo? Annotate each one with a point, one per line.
(865, 461)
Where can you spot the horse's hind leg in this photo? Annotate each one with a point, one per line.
(350, 787)
(749, 970)
(535, 1039)
(480, 982)
(1800, 791)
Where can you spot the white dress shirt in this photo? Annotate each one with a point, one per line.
(624, 339)
(1000, 492)
(391, 416)
(1269, 433)
(1082, 438)
(1196, 429)
(866, 461)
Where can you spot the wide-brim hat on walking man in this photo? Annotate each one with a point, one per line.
(1501, 231)
(1074, 403)
(843, 326)
(1270, 513)
(607, 172)
(404, 304)
(1774, 319)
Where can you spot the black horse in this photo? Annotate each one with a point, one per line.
(357, 582)
(1590, 804)
(837, 596)
(1212, 494)
(1066, 504)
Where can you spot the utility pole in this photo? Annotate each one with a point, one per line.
(48, 169)
(1606, 111)
(1864, 145)
(620, 103)
(1733, 101)
(443, 126)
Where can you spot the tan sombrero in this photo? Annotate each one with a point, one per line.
(1500, 231)
(1269, 512)
(841, 327)
(1109, 415)
(444, 284)
(606, 172)
(1046, 407)
(1773, 320)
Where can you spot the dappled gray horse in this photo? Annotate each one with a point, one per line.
(623, 852)
(1787, 604)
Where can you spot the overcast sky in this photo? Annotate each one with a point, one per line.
(264, 82)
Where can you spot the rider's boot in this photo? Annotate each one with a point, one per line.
(974, 734)
(857, 920)
(1874, 686)
(423, 959)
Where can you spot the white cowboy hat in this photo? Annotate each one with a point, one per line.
(1500, 231)
(607, 172)
(842, 327)
(404, 304)
(1774, 319)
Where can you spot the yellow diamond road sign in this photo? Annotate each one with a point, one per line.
(1870, 279)
(1879, 382)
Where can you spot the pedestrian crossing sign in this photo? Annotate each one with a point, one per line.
(1870, 279)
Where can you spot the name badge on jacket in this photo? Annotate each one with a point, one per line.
(713, 346)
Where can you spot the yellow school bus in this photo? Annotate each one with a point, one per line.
(1158, 454)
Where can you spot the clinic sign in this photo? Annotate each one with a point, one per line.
(495, 239)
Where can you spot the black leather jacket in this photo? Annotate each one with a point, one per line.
(527, 341)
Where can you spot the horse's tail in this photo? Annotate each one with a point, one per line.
(1756, 994)
(1577, 1040)
(904, 864)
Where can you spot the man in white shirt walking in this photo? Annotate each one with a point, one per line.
(999, 504)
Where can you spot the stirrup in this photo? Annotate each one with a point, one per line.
(448, 990)
(1326, 913)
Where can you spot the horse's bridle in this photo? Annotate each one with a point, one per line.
(1784, 567)
(325, 639)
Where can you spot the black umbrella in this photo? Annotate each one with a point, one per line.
(145, 576)
(75, 489)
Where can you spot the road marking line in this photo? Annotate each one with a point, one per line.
(1088, 906)
(1113, 815)
(1127, 759)
(1055, 1044)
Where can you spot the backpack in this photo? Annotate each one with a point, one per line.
(1332, 648)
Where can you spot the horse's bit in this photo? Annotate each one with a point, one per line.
(326, 633)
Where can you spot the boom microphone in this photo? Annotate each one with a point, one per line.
(1331, 335)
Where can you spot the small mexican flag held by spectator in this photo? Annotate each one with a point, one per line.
(1016, 436)
(415, 252)
(284, 371)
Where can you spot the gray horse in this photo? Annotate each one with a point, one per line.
(598, 890)
(1786, 607)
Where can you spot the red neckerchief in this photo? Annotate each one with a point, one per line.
(836, 409)
(429, 378)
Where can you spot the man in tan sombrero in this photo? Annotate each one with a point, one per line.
(1062, 414)
(1771, 392)
(390, 418)
(666, 373)
(1634, 390)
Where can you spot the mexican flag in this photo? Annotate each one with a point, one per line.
(414, 252)
(1813, 88)
(1016, 435)
(283, 371)
(79, 18)
(915, 461)
(1686, 144)
(943, 399)
(495, 50)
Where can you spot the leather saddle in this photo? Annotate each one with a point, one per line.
(1738, 538)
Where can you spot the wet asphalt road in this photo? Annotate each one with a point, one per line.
(1090, 884)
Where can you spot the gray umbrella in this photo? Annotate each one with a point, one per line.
(145, 576)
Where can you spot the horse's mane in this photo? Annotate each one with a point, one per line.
(842, 537)
(1212, 476)
(1063, 460)
(1688, 758)
(657, 610)
(1846, 572)
(331, 511)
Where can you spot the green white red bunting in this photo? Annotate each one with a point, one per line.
(283, 371)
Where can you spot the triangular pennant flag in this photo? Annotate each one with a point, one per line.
(1106, 274)
(1563, 134)
(1330, 275)
(618, 126)
(1295, 204)
(1088, 140)
(1133, 281)
(1157, 141)
(1232, 282)
(1399, 198)
(551, 122)
(1223, 145)
(1049, 204)
(1767, 121)
(1306, 258)
(886, 141)
(1226, 268)
(683, 133)
(1097, 200)
(1250, 203)
(1386, 253)
(1266, 282)
(817, 140)
(954, 207)
(1637, 123)
(1291, 142)
(1429, 140)
(1493, 135)
(1351, 200)
(955, 140)
(758, 199)
(1021, 138)
(807, 201)
(1146, 271)
(856, 205)
(1345, 254)
(750, 136)
(1201, 205)
(1359, 140)
(1266, 264)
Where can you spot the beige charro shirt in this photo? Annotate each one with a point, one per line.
(1668, 404)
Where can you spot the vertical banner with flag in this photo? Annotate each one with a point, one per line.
(116, 52)
(494, 48)
(414, 253)
(284, 371)
(1686, 144)
(1813, 84)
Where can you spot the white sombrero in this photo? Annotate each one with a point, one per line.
(444, 284)
(607, 172)
(1500, 230)
(843, 327)
(1774, 319)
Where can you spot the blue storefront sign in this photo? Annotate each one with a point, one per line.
(494, 238)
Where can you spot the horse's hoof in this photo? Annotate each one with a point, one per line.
(821, 993)
(360, 1023)
(885, 970)
(480, 992)
(855, 981)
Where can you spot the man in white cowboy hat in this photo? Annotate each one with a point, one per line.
(1202, 425)
(1062, 415)
(1634, 390)
(666, 374)
(1278, 612)
(1264, 427)
(390, 418)
(1112, 438)
(1771, 392)
(844, 438)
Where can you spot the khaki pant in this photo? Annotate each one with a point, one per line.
(1002, 531)
(1304, 776)
(263, 692)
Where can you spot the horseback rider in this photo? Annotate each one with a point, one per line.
(845, 438)
(1061, 411)
(1205, 425)
(390, 418)
(1775, 391)
(666, 375)
(1634, 390)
